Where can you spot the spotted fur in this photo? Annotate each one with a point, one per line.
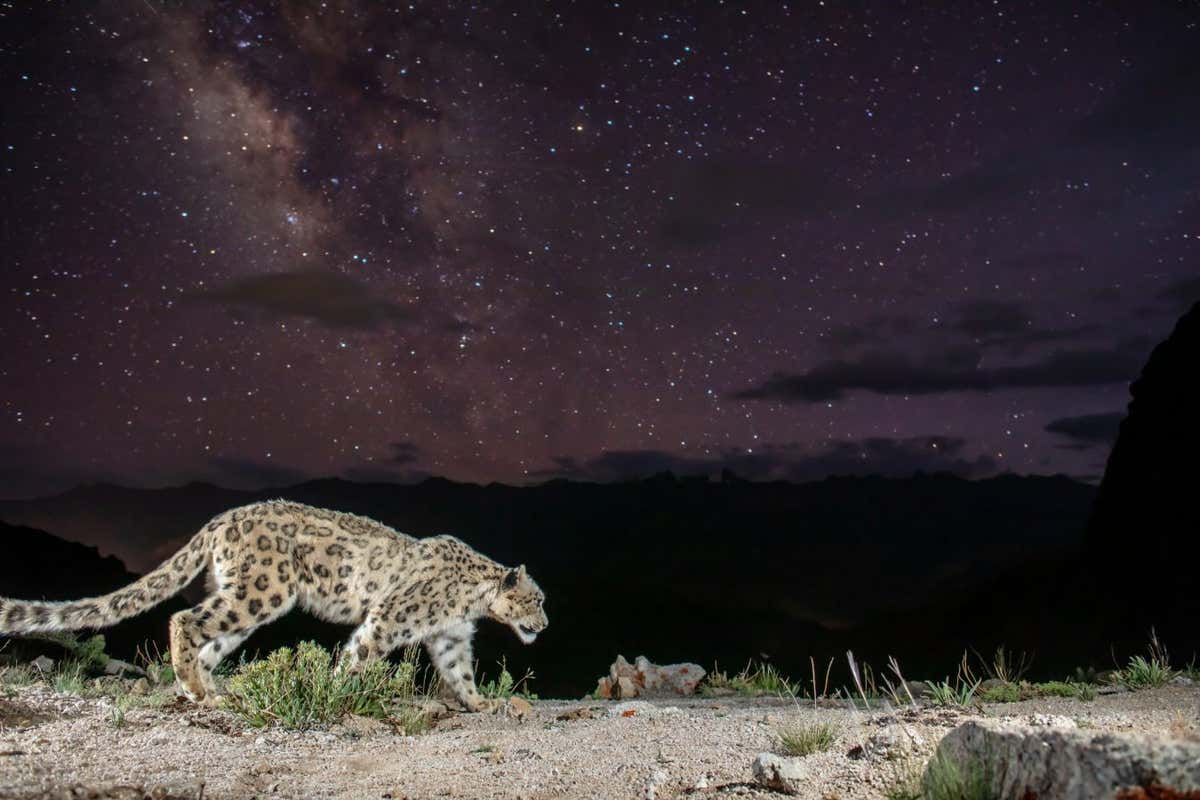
(266, 558)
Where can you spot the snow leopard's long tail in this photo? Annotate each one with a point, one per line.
(32, 616)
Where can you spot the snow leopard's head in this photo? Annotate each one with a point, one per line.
(518, 604)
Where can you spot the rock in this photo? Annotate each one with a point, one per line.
(42, 664)
(641, 708)
(1182, 680)
(644, 678)
(917, 689)
(780, 774)
(1054, 762)
(518, 708)
(991, 683)
(140, 686)
(890, 744)
(576, 713)
(115, 666)
(657, 779)
(1050, 721)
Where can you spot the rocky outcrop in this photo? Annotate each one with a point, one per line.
(1144, 532)
(641, 678)
(1061, 762)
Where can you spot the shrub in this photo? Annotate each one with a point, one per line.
(303, 687)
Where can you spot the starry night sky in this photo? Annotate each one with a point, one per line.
(254, 243)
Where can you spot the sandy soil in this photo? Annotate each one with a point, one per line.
(55, 745)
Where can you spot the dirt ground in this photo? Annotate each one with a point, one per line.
(62, 746)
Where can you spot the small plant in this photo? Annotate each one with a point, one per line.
(155, 663)
(116, 714)
(947, 779)
(504, 687)
(303, 687)
(1191, 671)
(959, 693)
(806, 739)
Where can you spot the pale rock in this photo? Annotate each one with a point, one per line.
(657, 779)
(1057, 762)
(780, 774)
(642, 678)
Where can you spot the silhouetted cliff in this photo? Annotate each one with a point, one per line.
(1144, 533)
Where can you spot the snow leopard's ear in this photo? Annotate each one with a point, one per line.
(513, 577)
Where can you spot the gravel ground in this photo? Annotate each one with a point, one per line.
(55, 745)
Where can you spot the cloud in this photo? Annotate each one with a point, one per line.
(329, 298)
(404, 453)
(982, 318)
(794, 462)
(27, 471)
(1088, 430)
(892, 373)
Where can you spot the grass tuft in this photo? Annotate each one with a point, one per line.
(806, 739)
(959, 693)
(70, 677)
(1014, 692)
(1149, 671)
(752, 681)
(947, 779)
(303, 687)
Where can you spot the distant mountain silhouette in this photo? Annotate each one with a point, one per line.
(673, 568)
(39, 566)
(1143, 537)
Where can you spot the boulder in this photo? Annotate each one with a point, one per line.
(779, 773)
(642, 678)
(1060, 762)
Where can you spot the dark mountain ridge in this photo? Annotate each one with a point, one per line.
(678, 568)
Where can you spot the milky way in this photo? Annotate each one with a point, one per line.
(253, 243)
